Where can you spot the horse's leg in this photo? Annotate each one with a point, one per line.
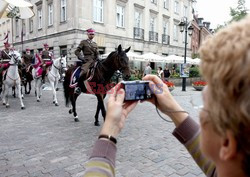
(99, 100)
(56, 89)
(29, 87)
(37, 90)
(5, 96)
(103, 107)
(14, 91)
(73, 98)
(52, 83)
(20, 96)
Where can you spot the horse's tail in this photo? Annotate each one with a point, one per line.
(66, 87)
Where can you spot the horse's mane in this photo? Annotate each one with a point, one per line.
(101, 69)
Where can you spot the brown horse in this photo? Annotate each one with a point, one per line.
(105, 69)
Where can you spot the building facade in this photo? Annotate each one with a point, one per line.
(145, 25)
(201, 30)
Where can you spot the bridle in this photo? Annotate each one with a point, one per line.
(15, 57)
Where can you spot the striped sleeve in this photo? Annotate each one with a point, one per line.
(102, 160)
(188, 133)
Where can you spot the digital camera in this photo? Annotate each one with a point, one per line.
(136, 90)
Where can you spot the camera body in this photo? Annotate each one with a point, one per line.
(136, 90)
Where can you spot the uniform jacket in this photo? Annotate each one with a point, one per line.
(46, 55)
(4, 57)
(27, 59)
(89, 50)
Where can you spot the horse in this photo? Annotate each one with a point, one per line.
(12, 78)
(104, 70)
(27, 78)
(53, 77)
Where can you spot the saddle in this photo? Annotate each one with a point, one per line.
(76, 74)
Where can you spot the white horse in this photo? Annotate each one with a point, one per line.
(12, 78)
(53, 77)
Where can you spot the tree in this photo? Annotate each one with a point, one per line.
(239, 12)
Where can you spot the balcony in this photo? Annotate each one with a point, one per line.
(138, 33)
(153, 36)
(165, 39)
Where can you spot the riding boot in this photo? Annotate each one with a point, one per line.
(80, 82)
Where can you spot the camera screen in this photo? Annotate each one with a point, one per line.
(137, 91)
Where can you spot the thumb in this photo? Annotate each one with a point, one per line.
(120, 96)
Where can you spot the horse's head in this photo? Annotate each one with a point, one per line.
(122, 62)
(63, 63)
(15, 57)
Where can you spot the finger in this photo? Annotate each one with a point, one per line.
(112, 94)
(120, 96)
(153, 78)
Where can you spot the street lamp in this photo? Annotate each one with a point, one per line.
(187, 27)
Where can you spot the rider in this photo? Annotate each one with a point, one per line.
(46, 60)
(4, 59)
(90, 54)
(27, 58)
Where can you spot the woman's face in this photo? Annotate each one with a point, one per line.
(209, 140)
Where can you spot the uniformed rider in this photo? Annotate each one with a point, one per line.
(46, 60)
(27, 58)
(4, 59)
(90, 52)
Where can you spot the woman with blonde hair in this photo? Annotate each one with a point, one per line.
(220, 145)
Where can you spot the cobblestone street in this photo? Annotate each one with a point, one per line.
(43, 140)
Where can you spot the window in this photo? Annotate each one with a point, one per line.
(154, 1)
(152, 24)
(31, 23)
(50, 14)
(39, 16)
(185, 11)
(175, 32)
(120, 16)
(17, 28)
(166, 4)
(63, 11)
(138, 19)
(98, 11)
(176, 7)
(63, 50)
(165, 27)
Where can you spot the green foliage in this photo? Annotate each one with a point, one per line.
(195, 55)
(132, 78)
(239, 12)
(194, 72)
(236, 13)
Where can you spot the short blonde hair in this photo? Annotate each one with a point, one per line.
(226, 67)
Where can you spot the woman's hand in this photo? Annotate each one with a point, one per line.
(163, 99)
(117, 112)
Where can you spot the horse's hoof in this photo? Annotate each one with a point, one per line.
(97, 124)
(7, 106)
(4, 104)
(57, 89)
(38, 100)
(76, 120)
(70, 111)
(56, 104)
(23, 107)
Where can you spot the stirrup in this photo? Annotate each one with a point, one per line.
(77, 90)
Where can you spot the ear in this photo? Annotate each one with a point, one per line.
(119, 48)
(228, 149)
(126, 51)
